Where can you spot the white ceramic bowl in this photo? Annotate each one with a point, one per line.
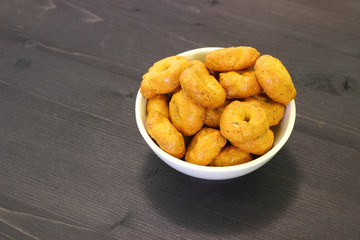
(282, 133)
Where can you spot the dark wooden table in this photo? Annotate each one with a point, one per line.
(74, 166)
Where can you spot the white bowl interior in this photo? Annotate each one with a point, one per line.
(281, 132)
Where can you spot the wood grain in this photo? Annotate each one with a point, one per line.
(74, 166)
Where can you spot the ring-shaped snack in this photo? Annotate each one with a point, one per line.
(242, 122)
(204, 146)
(187, 116)
(240, 84)
(159, 103)
(163, 76)
(230, 156)
(165, 134)
(259, 146)
(231, 59)
(201, 86)
(212, 116)
(274, 110)
(275, 79)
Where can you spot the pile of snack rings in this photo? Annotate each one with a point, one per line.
(218, 112)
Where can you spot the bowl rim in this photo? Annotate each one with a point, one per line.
(211, 169)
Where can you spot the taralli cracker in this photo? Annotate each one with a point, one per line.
(159, 103)
(212, 116)
(178, 89)
(240, 84)
(242, 122)
(165, 134)
(187, 116)
(231, 59)
(274, 111)
(275, 79)
(259, 146)
(230, 156)
(163, 76)
(204, 146)
(201, 86)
